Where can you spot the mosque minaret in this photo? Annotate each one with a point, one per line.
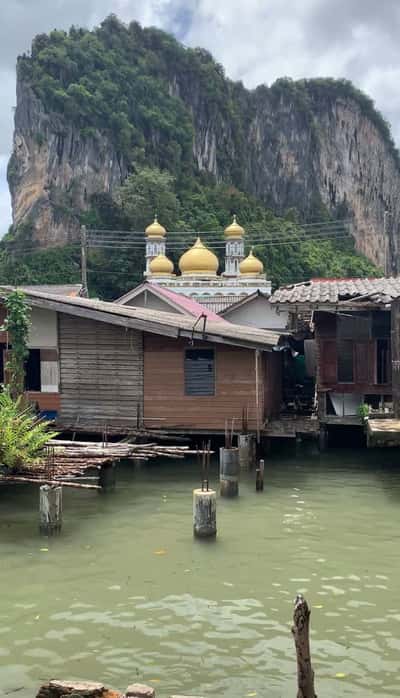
(198, 267)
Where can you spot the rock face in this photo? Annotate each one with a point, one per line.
(57, 173)
(331, 153)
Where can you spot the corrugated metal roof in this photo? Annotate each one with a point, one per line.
(156, 321)
(331, 291)
(191, 305)
(56, 289)
(218, 303)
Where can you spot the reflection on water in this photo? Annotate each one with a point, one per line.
(126, 594)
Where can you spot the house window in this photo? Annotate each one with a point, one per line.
(382, 361)
(199, 372)
(345, 373)
(32, 371)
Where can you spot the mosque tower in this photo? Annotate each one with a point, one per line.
(234, 248)
(155, 243)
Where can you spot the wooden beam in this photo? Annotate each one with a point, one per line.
(101, 316)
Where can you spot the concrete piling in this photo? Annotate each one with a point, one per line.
(204, 513)
(50, 510)
(260, 477)
(229, 472)
(246, 451)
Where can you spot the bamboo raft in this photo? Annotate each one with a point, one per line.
(70, 460)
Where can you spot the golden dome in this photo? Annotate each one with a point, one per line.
(161, 266)
(199, 260)
(251, 266)
(234, 230)
(155, 230)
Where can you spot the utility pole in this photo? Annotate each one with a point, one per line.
(84, 280)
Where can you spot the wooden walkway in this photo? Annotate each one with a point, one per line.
(383, 432)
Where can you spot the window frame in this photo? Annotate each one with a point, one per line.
(212, 350)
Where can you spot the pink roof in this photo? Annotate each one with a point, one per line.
(189, 304)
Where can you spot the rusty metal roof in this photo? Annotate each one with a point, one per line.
(154, 321)
(332, 291)
(56, 289)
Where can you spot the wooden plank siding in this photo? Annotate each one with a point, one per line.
(364, 361)
(272, 384)
(47, 402)
(165, 404)
(101, 374)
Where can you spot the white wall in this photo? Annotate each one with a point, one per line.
(258, 312)
(43, 335)
(43, 330)
(148, 300)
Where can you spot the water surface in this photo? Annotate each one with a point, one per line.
(126, 594)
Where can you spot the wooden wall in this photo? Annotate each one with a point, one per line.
(364, 361)
(165, 402)
(48, 402)
(273, 384)
(101, 374)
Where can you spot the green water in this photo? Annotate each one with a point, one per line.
(126, 594)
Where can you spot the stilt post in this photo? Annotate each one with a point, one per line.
(323, 437)
(107, 476)
(50, 510)
(204, 513)
(301, 634)
(246, 451)
(229, 472)
(260, 477)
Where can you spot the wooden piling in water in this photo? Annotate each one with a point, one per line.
(50, 510)
(301, 634)
(260, 477)
(229, 472)
(204, 513)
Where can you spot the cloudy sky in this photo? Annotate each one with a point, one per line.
(257, 41)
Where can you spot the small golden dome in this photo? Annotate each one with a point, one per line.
(251, 266)
(234, 230)
(161, 266)
(199, 260)
(155, 230)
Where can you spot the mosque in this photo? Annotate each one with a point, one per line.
(198, 267)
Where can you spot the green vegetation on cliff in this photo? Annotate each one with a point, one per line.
(121, 80)
(287, 255)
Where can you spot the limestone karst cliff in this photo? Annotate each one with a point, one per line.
(303, 145)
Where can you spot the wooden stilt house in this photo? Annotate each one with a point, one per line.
(96, 365)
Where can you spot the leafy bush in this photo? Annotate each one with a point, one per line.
(17, 325)
(23, 436)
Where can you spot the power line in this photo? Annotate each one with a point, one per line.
(98, 240)
(265, 243)
(219, 231)
(93, 242)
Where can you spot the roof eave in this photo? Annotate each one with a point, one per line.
(63, 306)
